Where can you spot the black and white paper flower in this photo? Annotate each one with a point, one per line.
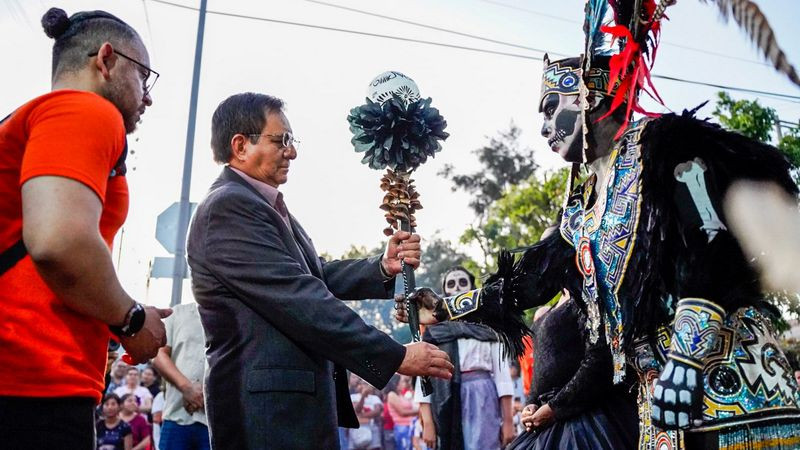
(397, 134)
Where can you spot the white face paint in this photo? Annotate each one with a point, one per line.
(562, 126)
(456, 282)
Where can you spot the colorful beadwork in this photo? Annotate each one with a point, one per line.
(739, 390)
(697, 323)
(558, 78)
(605, 244)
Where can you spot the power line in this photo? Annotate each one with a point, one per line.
(356, 32)
(721, 86)
(432, 27)
(530, 11)
(775, 95)
(669, 44)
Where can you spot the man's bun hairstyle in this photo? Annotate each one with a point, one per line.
(55, 22)
(83, 33)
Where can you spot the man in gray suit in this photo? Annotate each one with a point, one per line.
(278, 338)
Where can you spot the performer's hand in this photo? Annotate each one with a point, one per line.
(429, 304)
(677, 396)
(507, 433)
(543, 416)
(144, 345)
(527, 416)
(424, 359)
(402, 246)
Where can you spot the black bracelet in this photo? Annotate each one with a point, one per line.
(134, 322)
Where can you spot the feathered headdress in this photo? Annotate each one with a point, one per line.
(634, 27)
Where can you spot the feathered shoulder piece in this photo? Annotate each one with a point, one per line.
(670, 243)
(676, 138)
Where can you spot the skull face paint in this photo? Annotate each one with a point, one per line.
(562, 125)
(456, 282)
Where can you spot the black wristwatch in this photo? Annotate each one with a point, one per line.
(134, 321)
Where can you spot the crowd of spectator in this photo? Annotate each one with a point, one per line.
(158, 406)
(129, 413)
(391, 419)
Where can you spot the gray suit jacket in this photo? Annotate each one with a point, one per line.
(277, 336)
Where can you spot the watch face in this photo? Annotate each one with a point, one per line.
(137, 320)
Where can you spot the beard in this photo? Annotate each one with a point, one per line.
(120, 97)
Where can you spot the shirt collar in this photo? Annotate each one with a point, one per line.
(269, 192)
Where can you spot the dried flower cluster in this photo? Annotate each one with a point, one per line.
(401, 200)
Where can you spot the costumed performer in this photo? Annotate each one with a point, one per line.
(472, 410)
(644, 246)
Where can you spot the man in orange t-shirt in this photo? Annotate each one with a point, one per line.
(63, 196)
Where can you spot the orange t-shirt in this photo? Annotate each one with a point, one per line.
(47, 349)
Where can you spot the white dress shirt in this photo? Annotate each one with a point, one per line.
(480, 355)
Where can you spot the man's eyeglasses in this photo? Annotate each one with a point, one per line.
(286, 139)
(149, 76)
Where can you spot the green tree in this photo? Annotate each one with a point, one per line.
(513, 203)
(376, 312)
(518, 218)
(438, 255)
(505, 163)
(746, 117)
(751, 119)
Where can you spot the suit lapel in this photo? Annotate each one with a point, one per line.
(305, 245)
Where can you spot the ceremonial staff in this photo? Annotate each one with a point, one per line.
(397, 130)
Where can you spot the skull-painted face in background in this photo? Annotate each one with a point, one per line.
(562, 125)
(456, 282)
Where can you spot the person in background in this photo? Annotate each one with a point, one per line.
(516, 383)
(473, 410)
(132, 386)
(117, 376)
(140, 428)
(403, 410)
(388, 424)
(182, 363)
(64, 197)
(526, 365)
(518, 399)
(369, 408)
(111, 356)
(158, 410)
(352, 385)
(113, 433)
(151, 380)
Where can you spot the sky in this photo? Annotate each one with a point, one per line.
(321, 74)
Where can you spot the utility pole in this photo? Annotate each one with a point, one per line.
(183, 216)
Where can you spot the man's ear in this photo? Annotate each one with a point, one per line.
(238, 147)
(105, 60)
